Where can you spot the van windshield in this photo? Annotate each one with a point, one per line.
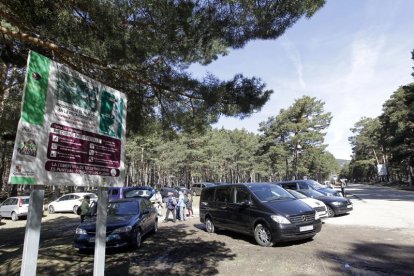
(269, 192)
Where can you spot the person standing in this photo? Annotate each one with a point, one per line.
(85, 208)
(181, 205)
(189, 204)
(171, 202)
(158, 203)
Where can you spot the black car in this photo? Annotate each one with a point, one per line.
(198, 187)
(336, 205)
(183, 189)
(297, 185)
(263, 210)
(165, 190)
(128, 220)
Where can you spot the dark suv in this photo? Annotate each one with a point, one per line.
(298, 185)
(263, 210)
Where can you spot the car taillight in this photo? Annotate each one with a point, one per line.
(20, 202)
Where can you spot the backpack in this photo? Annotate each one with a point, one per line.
(171, 202)
(78, 211)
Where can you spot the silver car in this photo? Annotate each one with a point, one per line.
(15, 207)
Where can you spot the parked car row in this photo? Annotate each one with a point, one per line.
(271, 212)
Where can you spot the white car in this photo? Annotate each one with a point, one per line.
(318, 205)
(69, 202)
(15, 207)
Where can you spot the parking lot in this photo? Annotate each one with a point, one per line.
(376, 238)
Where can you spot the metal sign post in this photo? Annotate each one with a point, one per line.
(100, 235)
(32, 235)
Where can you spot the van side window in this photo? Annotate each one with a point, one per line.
(114, 192)
(209, 195)
(223, 195)
(303, 186)
(242, 195)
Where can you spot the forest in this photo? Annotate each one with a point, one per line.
(144, 49)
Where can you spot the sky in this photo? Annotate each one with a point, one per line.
(352, 55)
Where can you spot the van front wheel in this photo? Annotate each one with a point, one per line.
(210, 225)
(263, 235)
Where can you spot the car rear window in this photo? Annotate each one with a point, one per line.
(25, 200)
(123, 208)
(315, 184)
(136, 193)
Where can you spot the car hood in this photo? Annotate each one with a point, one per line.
(290, 207)
(111, 223)
(333, 199)
(312, 202)
(328, 191)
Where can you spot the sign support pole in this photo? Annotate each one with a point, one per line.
(100, 235)
(32, 235)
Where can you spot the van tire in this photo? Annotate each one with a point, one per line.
(262, 235)
(210, 225)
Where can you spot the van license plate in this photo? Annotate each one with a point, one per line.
(306, 228)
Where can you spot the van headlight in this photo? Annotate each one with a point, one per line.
(317, 215)
(124, 229)
(280, 219)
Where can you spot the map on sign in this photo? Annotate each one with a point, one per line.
(72, 129)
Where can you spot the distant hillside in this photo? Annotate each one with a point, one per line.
(342, 162)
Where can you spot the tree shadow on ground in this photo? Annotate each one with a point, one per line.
(55, 246)
(370, 258)
(250, 239)
(174, 250)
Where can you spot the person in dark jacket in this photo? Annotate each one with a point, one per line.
(85, 208)
(171, 203)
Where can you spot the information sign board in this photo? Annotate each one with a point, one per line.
(71, 130)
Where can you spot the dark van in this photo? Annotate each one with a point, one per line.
(263, 210)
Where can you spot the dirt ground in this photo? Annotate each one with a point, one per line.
(185, 248)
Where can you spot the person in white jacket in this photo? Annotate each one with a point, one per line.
(181, 206)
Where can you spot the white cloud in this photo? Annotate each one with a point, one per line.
(294, 56)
